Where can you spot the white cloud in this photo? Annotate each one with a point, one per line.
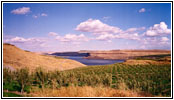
(164, 39)
(134, 36)
(22, 11)
(35, 16)
(155, 42)
(17, 39)
(106, 32)
(105, 37)
(97, 27)
(130, 30)
(22, 40)
(142, 10)
(158, 29)
(52, 34)
(72, 38)
(44, 14)
(31, 44)
(40, 15)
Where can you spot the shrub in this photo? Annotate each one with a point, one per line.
(23, 78)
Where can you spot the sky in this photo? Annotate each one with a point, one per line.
(55, 27)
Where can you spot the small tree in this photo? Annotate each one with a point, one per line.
(41, 77)
(8, 78)
(7, 75)
(23, 78)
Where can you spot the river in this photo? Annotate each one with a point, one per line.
(93, 61)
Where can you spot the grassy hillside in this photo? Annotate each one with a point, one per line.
(14, 57)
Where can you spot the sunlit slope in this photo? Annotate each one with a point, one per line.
(17, 58)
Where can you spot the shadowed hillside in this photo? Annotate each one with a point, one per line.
(14, 57)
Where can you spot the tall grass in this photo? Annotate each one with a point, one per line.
(87, 91)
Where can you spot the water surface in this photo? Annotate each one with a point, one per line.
(93, 61)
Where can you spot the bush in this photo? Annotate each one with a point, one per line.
(23, 78)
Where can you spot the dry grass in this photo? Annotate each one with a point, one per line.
(17, 58)
(87, 91)
(145, 62)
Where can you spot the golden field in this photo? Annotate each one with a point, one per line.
(18, 58)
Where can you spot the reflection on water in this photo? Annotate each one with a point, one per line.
(93, 61)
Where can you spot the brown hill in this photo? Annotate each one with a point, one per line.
(14, 57)
(123, 54)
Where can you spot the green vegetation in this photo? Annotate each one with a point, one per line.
(153, 57)
(17, 80)
(154, 79)
(6, 94)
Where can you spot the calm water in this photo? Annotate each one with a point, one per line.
(93, 61)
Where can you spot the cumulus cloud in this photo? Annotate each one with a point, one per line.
(44, 14)
(22, 11)
(134, 36)
(105, 37)
(72, 38)
(97, 27)
(31, 44)
(155, 40)
(16, 39)
(52, 34)
(164, 39)
(106, 32)
(150, 37)
(22, 40)
(155, 43)
(158, 29)
(130, 30)
(69, 37)
(130, 33)
(142, 10)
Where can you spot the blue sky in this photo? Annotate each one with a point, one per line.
(87, 26)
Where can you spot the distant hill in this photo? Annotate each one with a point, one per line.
(123, 54)
(14, 57)
(70, 54)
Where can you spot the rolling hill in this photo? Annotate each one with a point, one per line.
(17, 58)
